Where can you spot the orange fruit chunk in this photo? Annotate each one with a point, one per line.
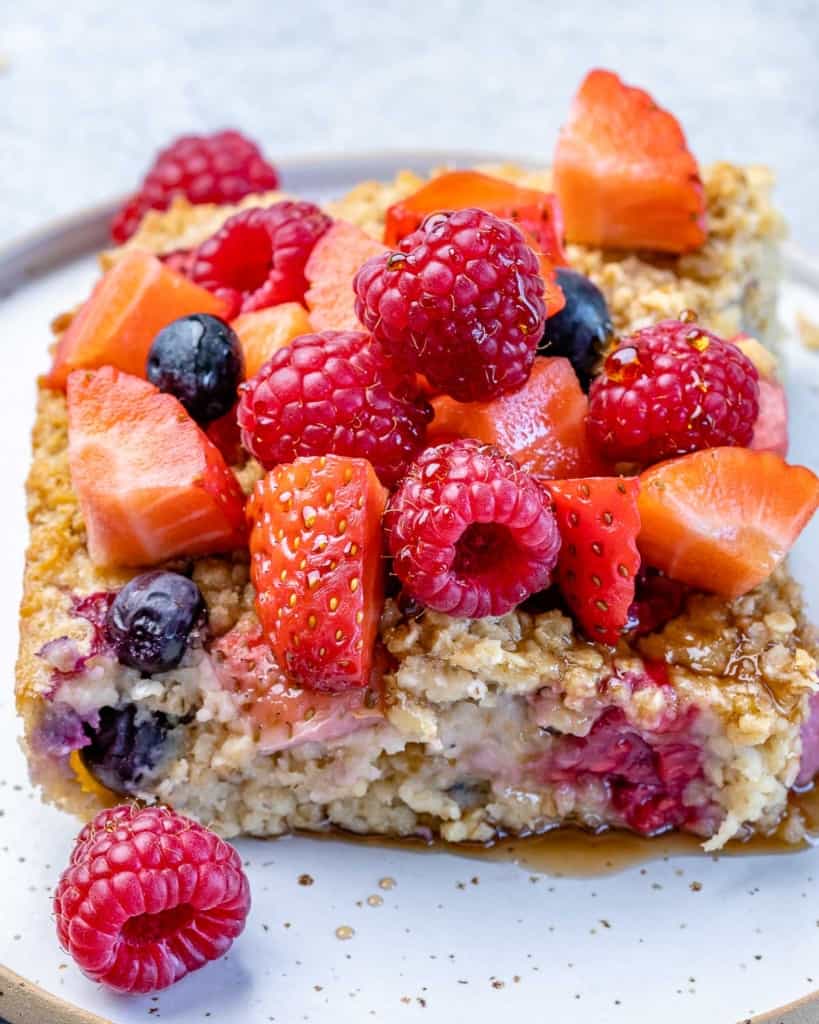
(624, 174)
(129, 305)
(722, 519)
(335, 260)
(542, 425)
(264, 331)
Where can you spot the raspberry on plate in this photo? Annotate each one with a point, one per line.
(461, 302)
(334, 393)
(218, 168)
(598, 561)
(257, 258)
(470, 533)
(148, 897)
(670, 389)
(316, 550)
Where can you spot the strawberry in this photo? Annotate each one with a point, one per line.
(129, 305)
(286, 715)
(623, 172)
(227, 436)
(722, 519)
(333, 263)
(598, 562)
(317, 565)
(537, 213)
(150, 484)
(264, 331)
(541, 425)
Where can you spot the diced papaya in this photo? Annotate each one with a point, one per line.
(129, 305)
(537, 213)
(264, 331)
(542, 425)
(333, 263)
(624, 174)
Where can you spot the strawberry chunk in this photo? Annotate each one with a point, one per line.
(286, 715)
(264, 331)
(150, 484)
(771, 427)
(542, 425)
(129, 305)
(336, 258)
(537, 213)
(723, 519)
(623, 172)
(598, 562)
(317, 565)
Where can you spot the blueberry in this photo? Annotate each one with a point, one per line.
(125, 745)
(198, 359)
(582, 328)
(150, 619)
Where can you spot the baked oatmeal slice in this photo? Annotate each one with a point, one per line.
(698, 714)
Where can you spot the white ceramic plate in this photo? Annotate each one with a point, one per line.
(454, 938)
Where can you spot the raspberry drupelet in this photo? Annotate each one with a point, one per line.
(461, 302)
(257, 258)
(470, 533)
(148, 897)
(334, 393)
(670, 389)
(219, 168)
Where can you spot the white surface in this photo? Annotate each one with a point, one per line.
(439, 946)
(92, 88)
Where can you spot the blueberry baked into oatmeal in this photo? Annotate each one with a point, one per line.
(459, 507)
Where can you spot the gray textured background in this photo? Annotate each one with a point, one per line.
(88, 89)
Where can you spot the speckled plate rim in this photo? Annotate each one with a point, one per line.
(34, 254)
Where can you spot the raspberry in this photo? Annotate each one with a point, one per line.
(333, 393)
(671, 389)
(470, 533)
(461, 302)
(257, 258)
(219, 168)
(148, 897)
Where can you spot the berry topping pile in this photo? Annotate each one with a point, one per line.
(257, 258)
(461, 301)
(449, 396)
(670, 389)
(469, 532)
(335, 392)
(148, 897)
(219, 168)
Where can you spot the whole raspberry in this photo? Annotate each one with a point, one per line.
(334, 393)
(670, 389)
(256, 259)
(470, 533)
(148, 897)
(219, 168)
(461, 302)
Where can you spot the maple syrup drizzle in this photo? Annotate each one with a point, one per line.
(573, 853)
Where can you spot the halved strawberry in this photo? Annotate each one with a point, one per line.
(623, 172)
(317, 565)
(227, 436)
(137, 297)
(598, 562)
(542, 425)
(286, 715)
(722, 519)
(150, 484)
(264, 331)
(771, 427)
(336, 258)
(538, 213)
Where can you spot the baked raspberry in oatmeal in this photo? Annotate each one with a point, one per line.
(464, 598)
